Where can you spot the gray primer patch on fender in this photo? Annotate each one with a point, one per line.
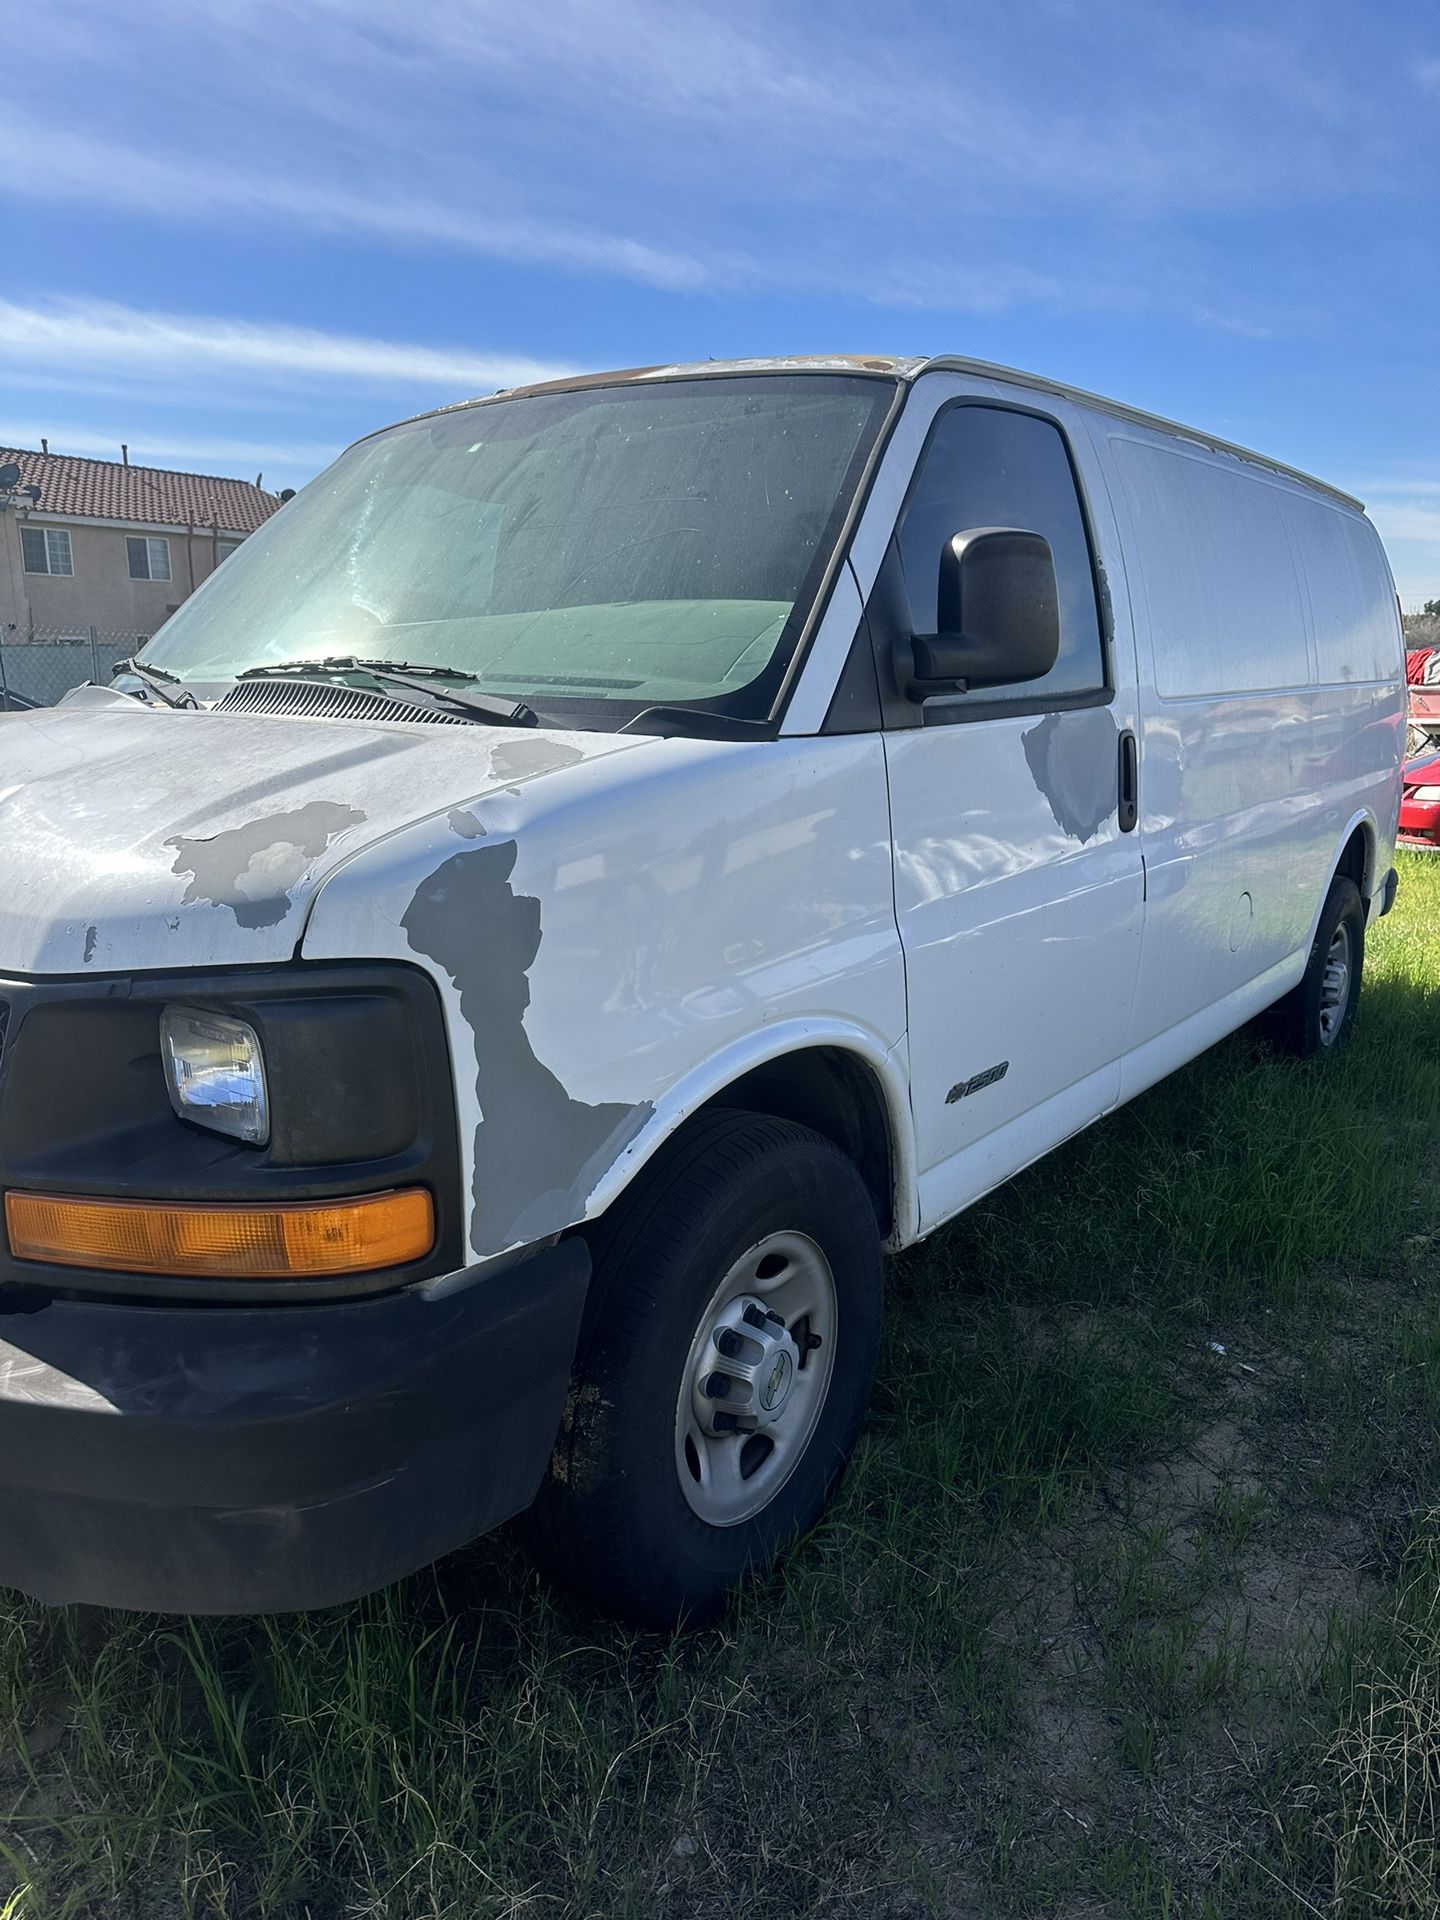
(92, 934)
(538, 1153)
(253, 869)
(1073, 757)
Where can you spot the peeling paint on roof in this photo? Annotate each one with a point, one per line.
(888, 363)
(906, 368)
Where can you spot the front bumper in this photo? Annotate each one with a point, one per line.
(1419, 823)
(230, 1459)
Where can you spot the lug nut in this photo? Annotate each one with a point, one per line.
(717, 1387)
(729, 1343)
(724, 1423)
(756, 1316)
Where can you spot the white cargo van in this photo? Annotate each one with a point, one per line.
(480, 991)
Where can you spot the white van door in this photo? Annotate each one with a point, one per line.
(1019, 888)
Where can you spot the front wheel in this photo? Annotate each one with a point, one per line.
(727, 1356)
(1315, 1018)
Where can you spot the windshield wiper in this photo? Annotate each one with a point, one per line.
(404, 673)
(154, 678)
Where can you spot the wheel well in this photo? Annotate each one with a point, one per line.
(1355, 860)
(834, 1093)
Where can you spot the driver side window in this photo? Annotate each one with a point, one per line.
(990, 467)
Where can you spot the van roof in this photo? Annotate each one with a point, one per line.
(909, 368)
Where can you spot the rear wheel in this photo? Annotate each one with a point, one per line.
(727, 1356)
(1315, 1018)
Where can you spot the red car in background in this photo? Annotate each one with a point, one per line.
(1420, 802)
(1422, 678)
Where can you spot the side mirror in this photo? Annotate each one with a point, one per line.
(999, 614)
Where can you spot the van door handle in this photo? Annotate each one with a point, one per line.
(1129, 781)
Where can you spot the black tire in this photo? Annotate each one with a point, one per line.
(1301, 1024)
(612, 1521)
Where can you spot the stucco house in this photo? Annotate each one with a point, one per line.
(109, 545)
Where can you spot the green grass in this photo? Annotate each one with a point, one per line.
(1105, 1621)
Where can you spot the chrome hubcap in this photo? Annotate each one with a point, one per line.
(1335, 985)
(755, 1379)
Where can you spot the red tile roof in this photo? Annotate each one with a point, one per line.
(146, 496)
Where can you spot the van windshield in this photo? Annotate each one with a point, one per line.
(592, 552)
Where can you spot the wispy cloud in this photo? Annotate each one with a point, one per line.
(1409, 487)
(1241, 327)
(76, 168)
(1399, 521)
(98, 333)
(1406, 511)
(754, 150)
(1209, 116)
(55, 166)
(49, 164)
(151, 449)
(1405, 507)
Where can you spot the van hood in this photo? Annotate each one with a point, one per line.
(135, 838)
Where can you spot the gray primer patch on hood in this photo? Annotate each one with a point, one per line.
(532, 753)
(465, 824)
(253, 869)
(1074, 759)
(538, 1153)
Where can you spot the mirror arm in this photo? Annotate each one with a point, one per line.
(936, 660)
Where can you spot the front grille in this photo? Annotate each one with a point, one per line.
(318, 700)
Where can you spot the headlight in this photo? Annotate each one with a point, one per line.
(216, 1073)
(1424, 793)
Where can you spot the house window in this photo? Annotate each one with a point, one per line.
(224, 549)
(46, 550)
(149, 559)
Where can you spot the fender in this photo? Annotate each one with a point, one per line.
(1291, 971)
(619, 941)
(1362, 817)
(711, 1077)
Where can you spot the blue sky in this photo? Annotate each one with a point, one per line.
(238, 233)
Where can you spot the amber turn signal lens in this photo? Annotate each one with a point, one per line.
(307, 1239)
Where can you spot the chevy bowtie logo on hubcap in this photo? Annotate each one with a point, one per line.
(778, 1385)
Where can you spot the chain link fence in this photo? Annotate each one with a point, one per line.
(38, 670)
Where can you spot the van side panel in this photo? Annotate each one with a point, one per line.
(1350, 592)
(1222, 594)
(1272, 714)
